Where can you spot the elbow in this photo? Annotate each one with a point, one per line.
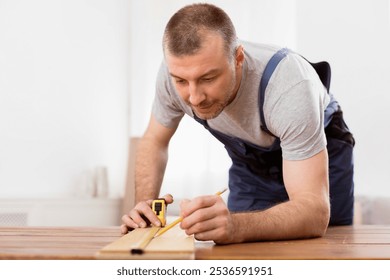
(321, 218)
(316, 218)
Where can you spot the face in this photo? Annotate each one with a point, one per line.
(208, 80)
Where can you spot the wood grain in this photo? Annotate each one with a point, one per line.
(54, 242)
(339, 243)
(140, 244)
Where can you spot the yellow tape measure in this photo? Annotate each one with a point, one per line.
(159, 207)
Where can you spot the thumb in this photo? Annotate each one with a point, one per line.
(168, 198)
(183, 205)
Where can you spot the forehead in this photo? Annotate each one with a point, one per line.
(211, 56)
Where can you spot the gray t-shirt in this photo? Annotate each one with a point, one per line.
(294, 105)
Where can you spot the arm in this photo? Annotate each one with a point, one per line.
(151, 161)
(305, 215)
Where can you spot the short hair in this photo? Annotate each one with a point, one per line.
(183, 33)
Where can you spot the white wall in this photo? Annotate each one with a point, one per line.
(64, 83)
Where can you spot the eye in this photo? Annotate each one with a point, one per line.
(208, 79)
(180, 81)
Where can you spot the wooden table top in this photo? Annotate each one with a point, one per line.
(344, 242)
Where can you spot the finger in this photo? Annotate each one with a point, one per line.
(197, 227)
(206, 235)
(149, 202)
(184, 202)
(168, 198)
(183, 207)
(128, 222)
(216, 235)
(142, 215)
(214, 230)
(196, 218)
(187, 208)
(124, 229)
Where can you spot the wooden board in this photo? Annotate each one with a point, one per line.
(174, 244)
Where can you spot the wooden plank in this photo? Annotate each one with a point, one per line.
(174, 244)
(134, 242)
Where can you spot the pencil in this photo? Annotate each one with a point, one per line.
(178, 220)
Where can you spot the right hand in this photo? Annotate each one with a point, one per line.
(142, 215)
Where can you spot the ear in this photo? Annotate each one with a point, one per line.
(240, 56)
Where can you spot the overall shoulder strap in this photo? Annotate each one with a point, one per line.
(269, 69)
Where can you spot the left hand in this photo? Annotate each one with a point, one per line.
(142, 215)
(208, 218)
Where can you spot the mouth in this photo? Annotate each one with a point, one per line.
(210, 111)
(202, 111)
(207, 110)
(204, 107)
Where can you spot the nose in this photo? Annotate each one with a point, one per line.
(196, 95)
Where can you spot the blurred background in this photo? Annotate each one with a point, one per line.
(77, 81)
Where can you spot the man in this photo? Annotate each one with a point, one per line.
(279, 179)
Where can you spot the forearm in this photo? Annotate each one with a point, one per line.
(305, 218)
(151, 162)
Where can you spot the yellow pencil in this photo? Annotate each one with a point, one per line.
(178, 220)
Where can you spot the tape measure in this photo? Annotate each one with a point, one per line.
(159, 207)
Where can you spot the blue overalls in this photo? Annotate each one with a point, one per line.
(256, 178)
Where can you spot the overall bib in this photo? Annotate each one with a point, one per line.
(256, 177)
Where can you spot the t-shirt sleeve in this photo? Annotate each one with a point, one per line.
(166, 105)
(296, 110)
